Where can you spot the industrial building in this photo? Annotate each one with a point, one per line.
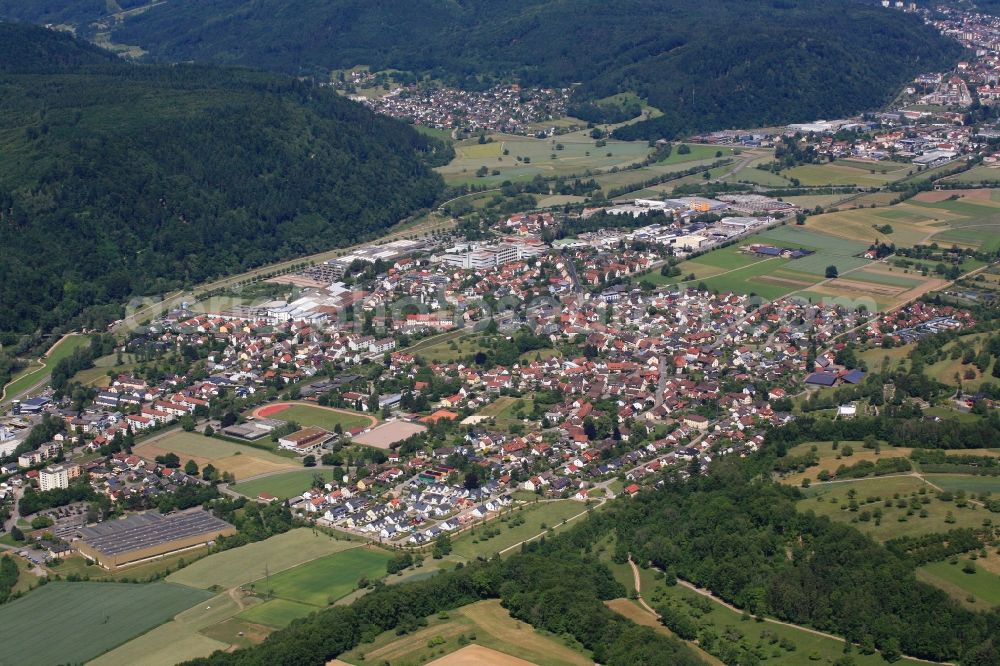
(144, 536)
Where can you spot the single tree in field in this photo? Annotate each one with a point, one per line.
(831, 272)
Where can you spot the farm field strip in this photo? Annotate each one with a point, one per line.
(239, 566)
(324, 580)
(91, 618)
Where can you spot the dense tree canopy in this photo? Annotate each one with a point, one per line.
(706, 65)
(119, 179)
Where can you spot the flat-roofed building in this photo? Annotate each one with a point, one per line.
(145, 536)
(57, 476)
(304, 440)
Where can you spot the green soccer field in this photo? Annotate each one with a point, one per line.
(326, 419)
(285, 485)
(63, 623)
(323, 581)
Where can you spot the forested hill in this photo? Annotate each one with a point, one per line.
(119, 179)
(708, 65)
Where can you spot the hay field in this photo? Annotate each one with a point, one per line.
(241, 460)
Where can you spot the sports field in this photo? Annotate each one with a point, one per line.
(283, 486)
(324, 580)
(326, 418)
(239, 459)
(485, 624)
(63, 623)
(245, 564)
(387, 434)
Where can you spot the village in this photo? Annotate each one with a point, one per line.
(481, 373)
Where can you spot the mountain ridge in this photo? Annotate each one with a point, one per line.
(119, 179)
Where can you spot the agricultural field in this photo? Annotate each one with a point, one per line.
(971, 219)
(177, 640)
(697, 152)
(828, 249)
(241, 460)
(87, 619)
(327, 418)
(862, 281)
(975, 176)
(979, 590)
(276, 613)
(283, 486)
(848, 172)
(485, 624)
(969, 483)
(239, 566)
(870, 199)
(324, 580)
(946, 369)
(37, 372)
(537, 517)
(830, 459)
(636, 176)
(538, 157)
(872, 494)
(913, 222)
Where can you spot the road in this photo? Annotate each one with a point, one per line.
(43, 372)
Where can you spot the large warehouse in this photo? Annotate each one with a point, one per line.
(146, 535)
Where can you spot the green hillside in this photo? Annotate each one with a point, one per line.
(707, 65)
(119, 179)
